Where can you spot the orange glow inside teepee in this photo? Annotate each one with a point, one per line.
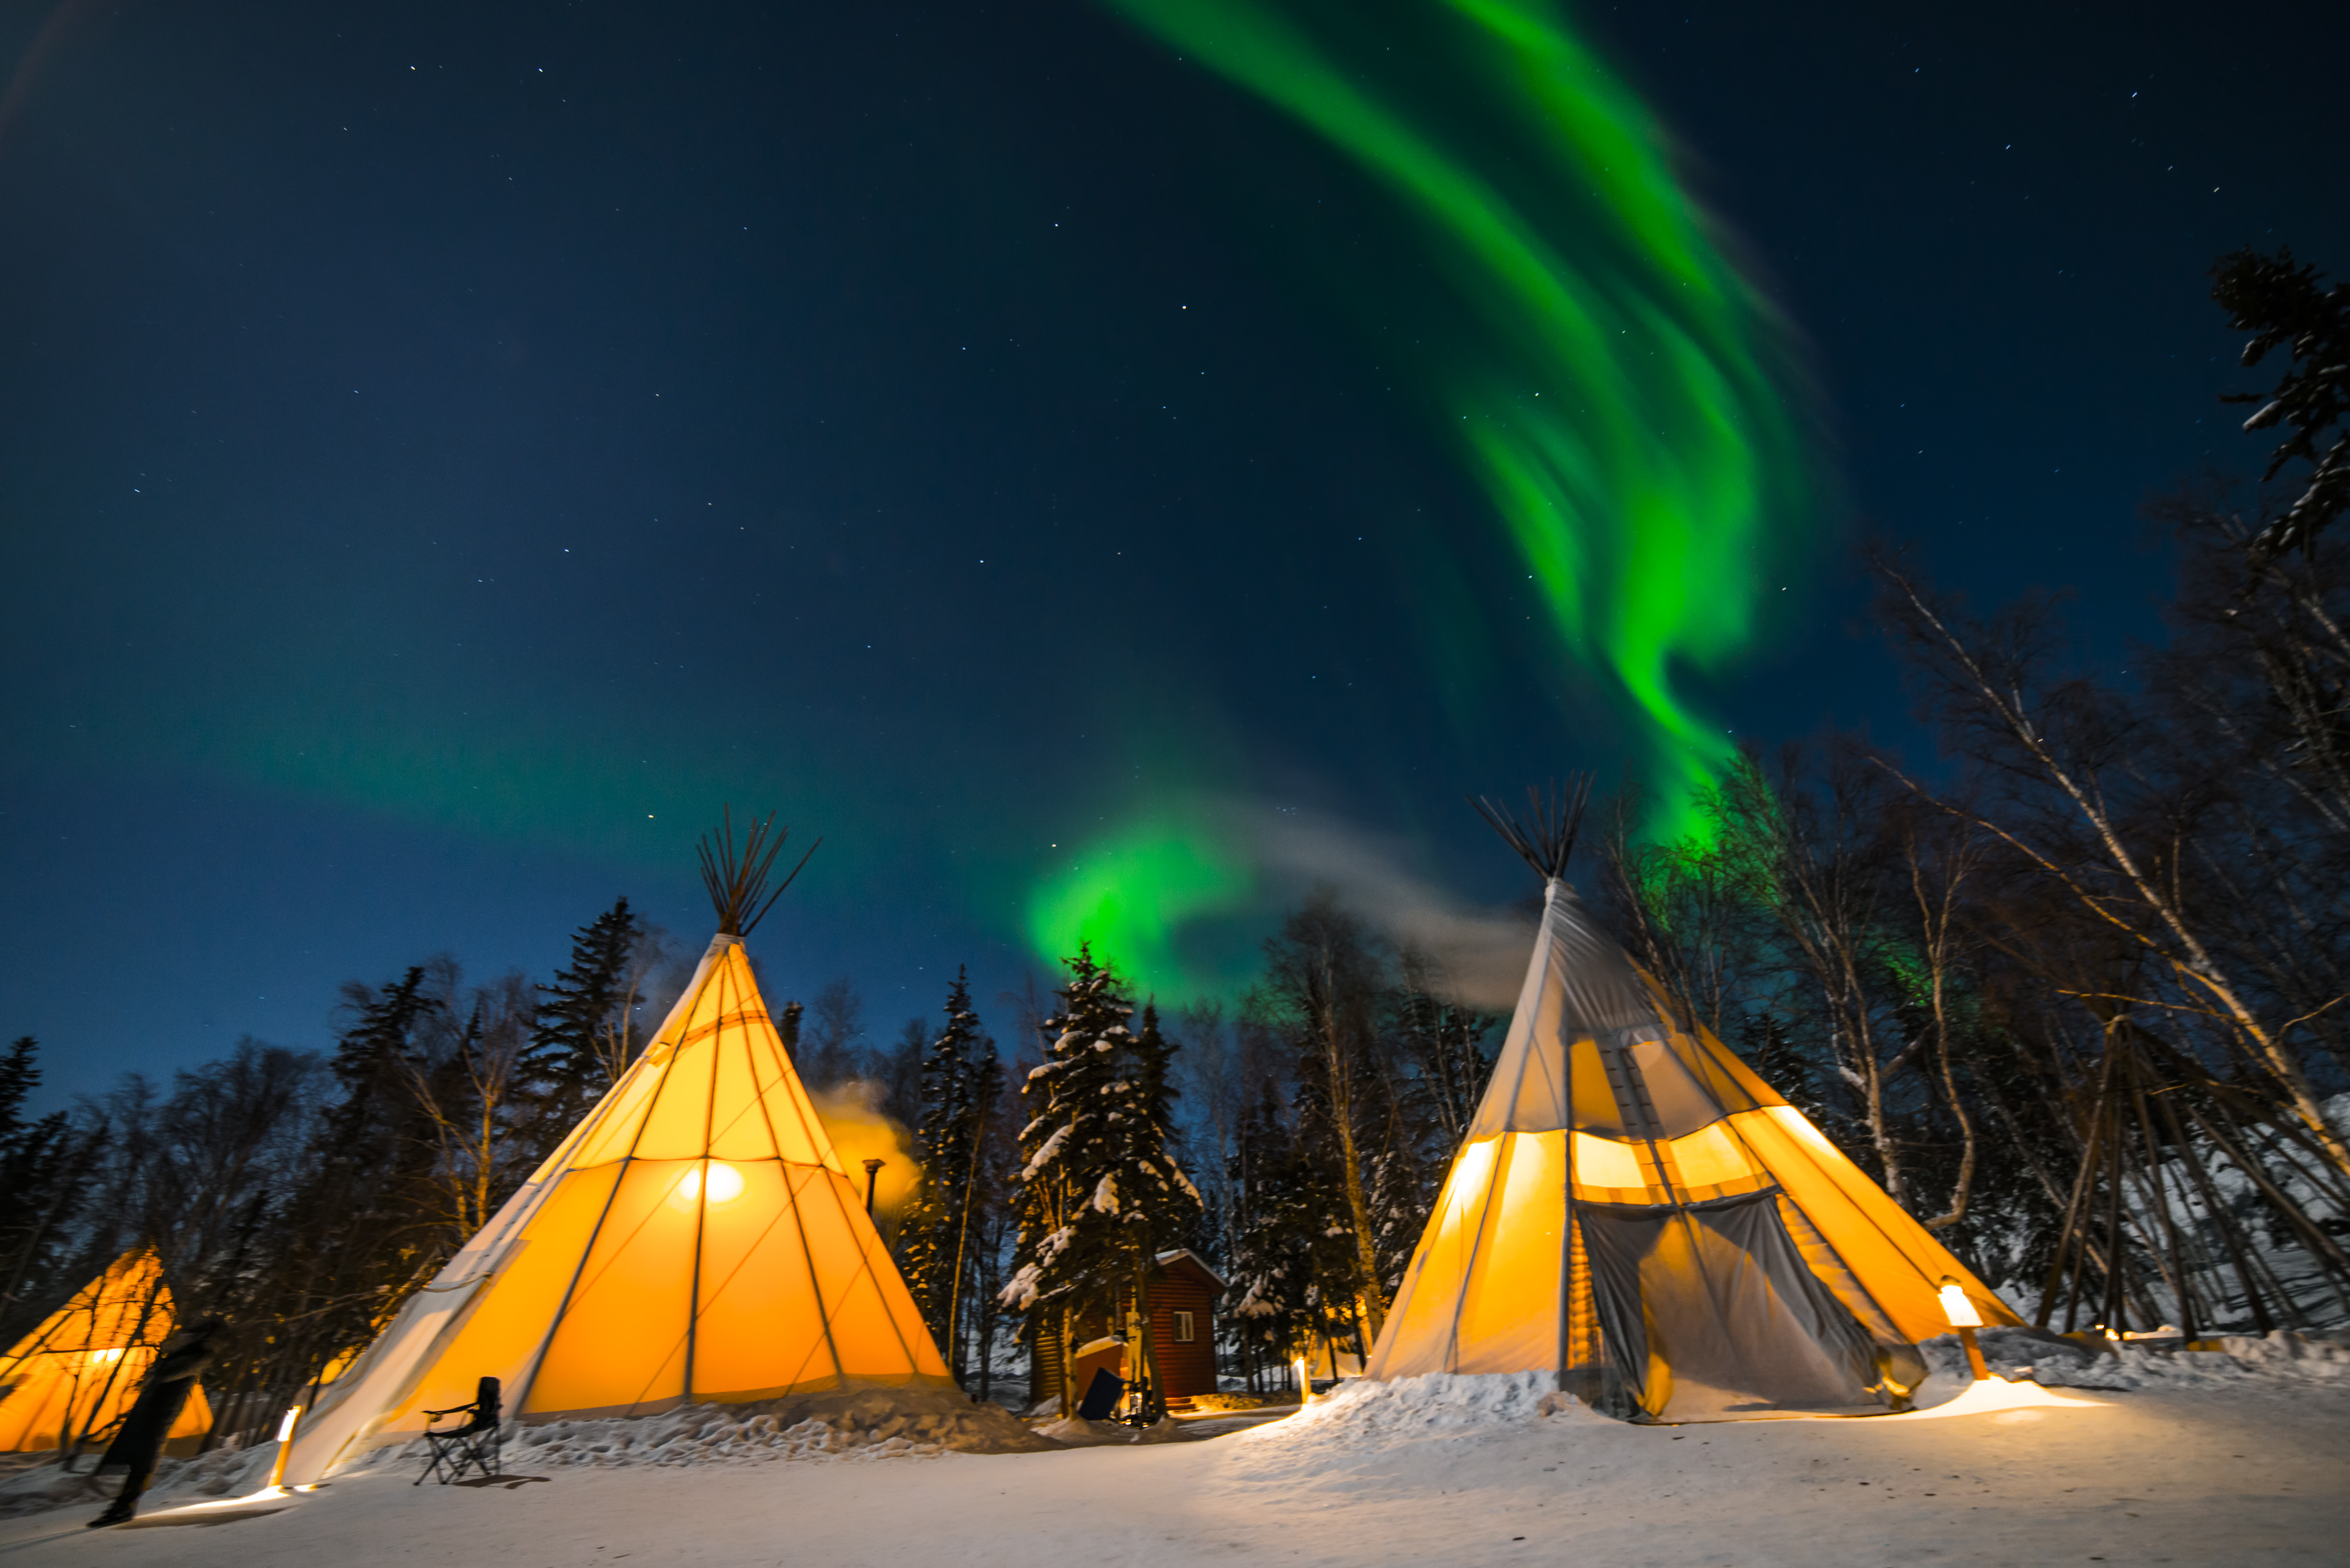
(725, 1183)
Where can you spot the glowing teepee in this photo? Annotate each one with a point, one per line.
(1636, 1209)
(73, 1377)
(695, 1239)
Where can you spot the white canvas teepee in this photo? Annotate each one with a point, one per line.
(696, 1239)
(1636, 1209)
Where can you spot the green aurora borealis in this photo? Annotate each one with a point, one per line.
(1578, 336)
(992, 502)
(1103, 466)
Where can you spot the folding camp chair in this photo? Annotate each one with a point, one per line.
(471, 1446)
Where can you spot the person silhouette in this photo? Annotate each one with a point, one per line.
(161, 1396)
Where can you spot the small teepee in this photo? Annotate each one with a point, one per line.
(1635, 1210)
(695, 1239)
(72, 1378)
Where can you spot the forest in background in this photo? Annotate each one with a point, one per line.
(2070, 991)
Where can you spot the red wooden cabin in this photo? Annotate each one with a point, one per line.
(1183, 1292)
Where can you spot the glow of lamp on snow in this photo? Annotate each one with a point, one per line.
(725, 1183)
(2004, 1401)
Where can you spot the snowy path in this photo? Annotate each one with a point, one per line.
(2249, 1476)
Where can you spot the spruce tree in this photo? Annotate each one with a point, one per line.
(985, 1222)
(19, 1076)
(1340, 1253)
(2285, 307)
(1271, 1277)
(956, 1097)
(43, 1178)
(584, 1037)
(1447, 1045)
(1405, 1179)
(1153, 1201)
(361, 1232)
(1324, 973)
(1070, 1256)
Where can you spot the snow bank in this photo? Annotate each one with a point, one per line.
(37, 1487)
(704, 1435)
(1076, 1432)
(865, 1424)
(2279, 1361)
(1362, 1412)
(861, 1425)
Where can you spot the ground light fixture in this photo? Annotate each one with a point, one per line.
(285, 1447)
(872, 1174)
(1965, 1320)
(1304, 1382)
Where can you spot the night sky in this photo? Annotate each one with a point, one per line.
(1072, 457)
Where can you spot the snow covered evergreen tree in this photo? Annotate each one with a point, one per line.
(960, 1079)
(1324, 973)
(1154, 1202)
(1270, 1316)
(1068, 1251)
(1324, 1195)
(1099, 1188)
(1406, 1177)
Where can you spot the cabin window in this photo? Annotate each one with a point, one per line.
(1183, 1329)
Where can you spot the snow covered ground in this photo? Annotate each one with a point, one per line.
(2203, 1460)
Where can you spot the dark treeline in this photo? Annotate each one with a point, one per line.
(2072, 992)
(301, 1196)
(2071, 996)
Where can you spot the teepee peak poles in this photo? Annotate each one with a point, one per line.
(1545, 837)
(737, 882)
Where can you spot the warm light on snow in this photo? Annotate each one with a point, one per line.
(1990, 1395)
(1444, 1469)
